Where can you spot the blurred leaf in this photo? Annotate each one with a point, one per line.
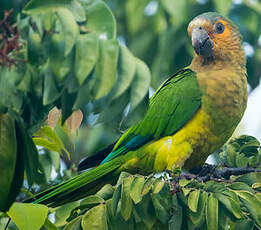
(69, 28)
(78, 11)
(177, 9)
(50, 93)
(223, 6)
(212, 212)
(8, 155)
(38, 6)
(74, 121)
(140, 84)
(105, 71)
(100, 20)
(134, 14)
(95, 218)
(53, 117)
(28, 216)
(86, 55)
(59, 63)
(126, 71)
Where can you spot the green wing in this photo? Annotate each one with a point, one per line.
(172, 105)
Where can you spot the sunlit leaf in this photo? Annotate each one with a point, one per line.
(95, 218)
(136, 189)
(28, 216)
(193, 200)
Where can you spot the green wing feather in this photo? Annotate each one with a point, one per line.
(172, 105)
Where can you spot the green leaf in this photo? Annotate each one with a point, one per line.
(106, 192)
(28, 216)
(74, 224)
(135, 14)
(136, 189)
(126, 202)
(63, 212)
(198, 218)
(177, 9)
(175, 221)
(8, 155)
(60, 65)
(126, 72)
(34, 48)
(193, 200)
(105, 71)
(145, 211)
(95, 218)
(48, 225)
(223, 6)
(39, 6)
(100, 20)
(252, 204)
(86, 55)
(140, 84)
(48, 138)
(232, 205)
(69, 28)
(116, 198)
(212, 212)
(241, 160)
(78, 11)
(50, 93)
(161, 200)
(116, 108)
(91, 201)
(30, 153)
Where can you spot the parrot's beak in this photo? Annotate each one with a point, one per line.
(202, 43)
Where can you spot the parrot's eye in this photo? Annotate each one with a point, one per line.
(219, 28)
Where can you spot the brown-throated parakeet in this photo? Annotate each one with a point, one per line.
(192, 114)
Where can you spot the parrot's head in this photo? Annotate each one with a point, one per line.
(215, 37)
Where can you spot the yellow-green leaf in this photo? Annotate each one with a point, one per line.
(28, 216)
(212, 213)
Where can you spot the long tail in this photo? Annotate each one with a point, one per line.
(79, 186)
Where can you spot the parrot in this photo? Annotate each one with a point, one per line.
(191, 115)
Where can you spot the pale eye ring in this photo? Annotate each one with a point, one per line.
(219, 28)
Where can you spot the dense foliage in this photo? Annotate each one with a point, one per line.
(69, 57)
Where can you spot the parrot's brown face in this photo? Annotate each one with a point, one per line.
(214, 36)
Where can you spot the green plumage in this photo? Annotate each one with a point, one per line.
(172, 105)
